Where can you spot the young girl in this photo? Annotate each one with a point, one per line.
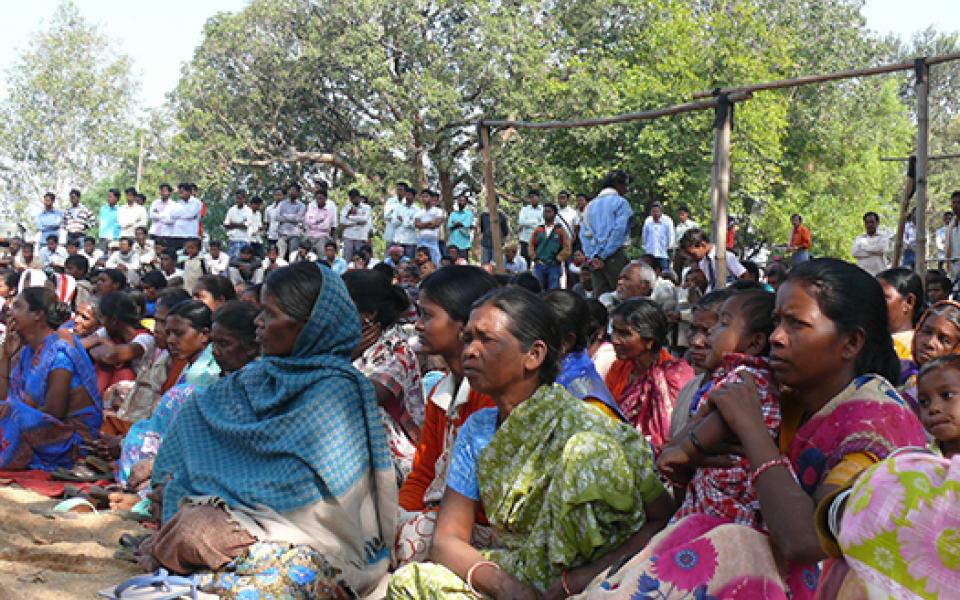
(937, 334)
(737, 345)
(939, 400)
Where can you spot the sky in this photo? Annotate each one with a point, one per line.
(161, 35)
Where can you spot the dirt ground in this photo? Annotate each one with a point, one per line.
(62, 558)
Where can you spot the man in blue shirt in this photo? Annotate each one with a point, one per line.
(460, 226)
(658, 234)
(109, 224)
(50, 220)
(606, 230)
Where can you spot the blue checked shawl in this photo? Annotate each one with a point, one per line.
(285, 431)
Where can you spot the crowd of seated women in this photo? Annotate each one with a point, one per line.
(328, 436)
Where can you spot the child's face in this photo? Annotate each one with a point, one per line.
(150, 293)
(939, 396)
(509, 254)
(88, 247)
(214, 251)
(700, 324)
(330, 253)
(727, 335)
(51, 245)
(72, 250)
(191, 249)
(937, 336)
(936, 293)
(422, 257)
(407, 279)
(73, 271)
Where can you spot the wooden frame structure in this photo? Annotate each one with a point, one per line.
(723, 101)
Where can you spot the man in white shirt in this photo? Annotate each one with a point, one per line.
(216, 262)
(237, 223)
(404, 226)
(131, 215)
(870, 248)
(531, 217)
(51, 249)
(90, 251)
(428, 223)
(125, 258)
(144, 248)
(568, 216)
(257, 226)
(658, 234)
(270, 215)
(696, 246)
(161, 213)
(389, 209)
(355, 220)
(186, 217)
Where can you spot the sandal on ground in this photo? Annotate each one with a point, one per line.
(80, 473)
(69, 508)
(100, 465)
(160, 586)
(131, 541)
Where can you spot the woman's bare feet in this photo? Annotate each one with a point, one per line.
(122, 501)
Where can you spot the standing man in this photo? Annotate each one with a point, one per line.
(658, 235)
(606, 230)
(684, 222)
(486, 233)
(131, 215)
(186, 217)
(941, 239)
(290, 213)
(161, 214)
(272, 216)
(531, 217)
(870, 248)
(50, 219)
(320, 219)
(428, 223)
(404, 227)
(549, 248)
(237, 223)
(460, 225)
(256, 226)
(78, 218)
(389, 209)
(800, 240)
(109, 224)
(568, 216)
(355, 221)
(697, 247)
(910, 241)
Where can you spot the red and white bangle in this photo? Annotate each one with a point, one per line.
(778, 462)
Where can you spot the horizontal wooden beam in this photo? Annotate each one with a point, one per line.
(931, 157)
(798, 81)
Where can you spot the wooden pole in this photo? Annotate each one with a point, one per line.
(930, 157)
(921, 87)
(720, 185)
(140, 164)
(491, 198)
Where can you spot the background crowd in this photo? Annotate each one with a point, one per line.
(302, 419)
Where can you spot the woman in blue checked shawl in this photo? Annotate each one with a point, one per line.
(277, 479)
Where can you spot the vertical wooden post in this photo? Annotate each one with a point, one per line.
(720, 185)
(921, 86)
(491, 198)
(909, 187)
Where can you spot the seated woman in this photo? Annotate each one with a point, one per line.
(645, 379)
(302, 424)
(387, 359)
(578, 374)
(937, 334)
(188, 335)
(445, 300)
(52, 402)
(124, 345)
(213, 291)
(831, 349)
(561, 483)
(903, 291)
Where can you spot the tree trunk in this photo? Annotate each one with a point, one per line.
(446, 188)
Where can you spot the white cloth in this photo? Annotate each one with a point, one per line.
(530, 218)
(161, 217)
(389, 208)
(569, 218)
(434, 213)
(270, 215)
(217, 266)
(130, 260)
(187, 218)
(870, 252)
(404, 231)
(682, 228)
(356, 226)
(131, 216)
(255, 230)
(93, 258)
(708, 264)
(239, 216)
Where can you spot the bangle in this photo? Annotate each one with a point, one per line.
(696, 442)
(833, 515)
(566, 586)
(479, 563)
(779, 462)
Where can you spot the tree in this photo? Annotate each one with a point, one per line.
(68, 112)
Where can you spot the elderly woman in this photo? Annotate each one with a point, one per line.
(832, 349)
(386, 357)
(52, 404)
(278, 478)
(561, 483)
(645, 379)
